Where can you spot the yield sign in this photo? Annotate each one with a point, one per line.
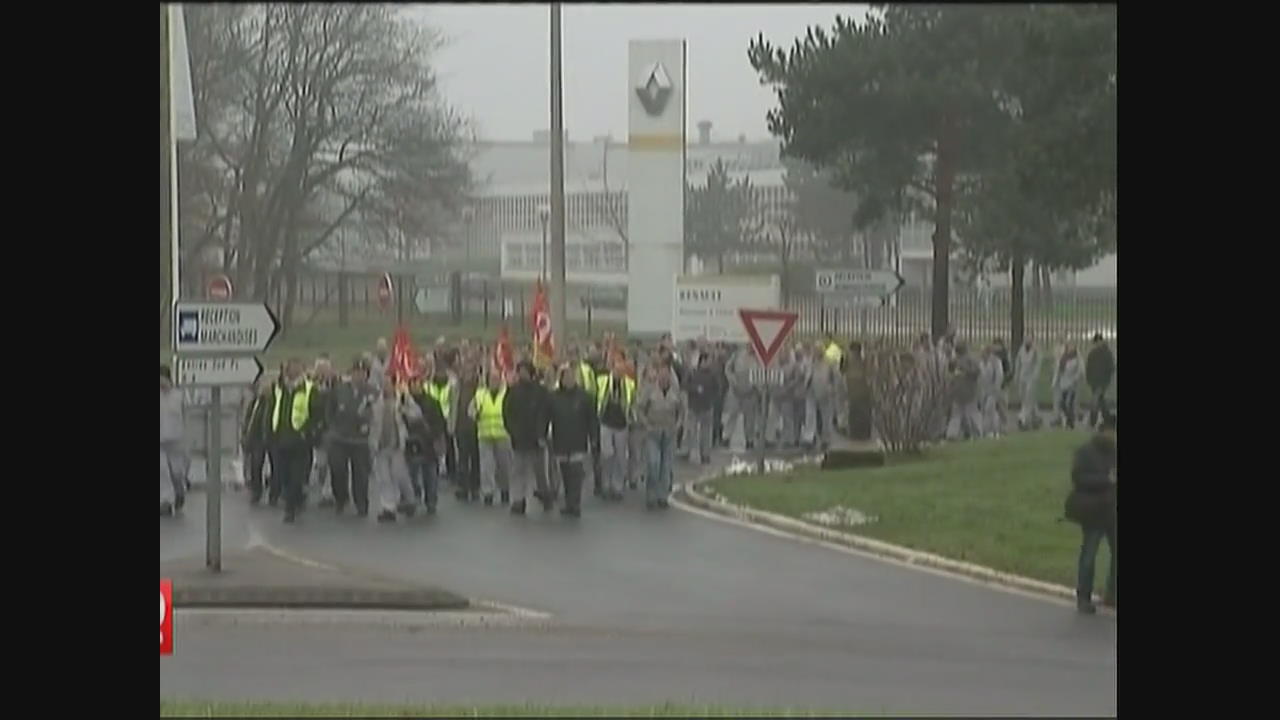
(768, 329)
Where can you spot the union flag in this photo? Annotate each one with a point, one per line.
(405, 361)
(503, 357)
(544, 348)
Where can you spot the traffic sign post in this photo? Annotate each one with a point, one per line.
(857, 285)
(207, 328)
(218, 371)
(215, 343)
(768, 330)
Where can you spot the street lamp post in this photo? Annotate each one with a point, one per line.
(544, 213)
(559, 328)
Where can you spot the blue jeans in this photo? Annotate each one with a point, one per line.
(661, 446)
(1088, 557)
(422, 473)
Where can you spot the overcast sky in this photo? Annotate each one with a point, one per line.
(495, 67)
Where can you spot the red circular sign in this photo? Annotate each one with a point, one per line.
(220, 287)
(384, 290)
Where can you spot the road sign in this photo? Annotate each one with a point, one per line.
(877, 284)
(219, 287)
(218, 371)
(762, 376)
(768, 329)
(209, 328)
(707, 306)
(385, 288)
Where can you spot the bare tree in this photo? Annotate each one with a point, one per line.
(315, 117)
(615, 208)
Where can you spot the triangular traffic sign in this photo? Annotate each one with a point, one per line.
(768, 329)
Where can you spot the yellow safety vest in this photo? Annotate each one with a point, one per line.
(588, 377)
(301, 407)
(628, 392)
(489, 425)
(440, 395)
(834, 354)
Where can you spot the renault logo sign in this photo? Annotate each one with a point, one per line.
(654, 89)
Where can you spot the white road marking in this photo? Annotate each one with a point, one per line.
(257, 541)
(392, 619)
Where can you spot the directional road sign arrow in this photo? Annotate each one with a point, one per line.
(211, 327)
(876, 283)
(218, 371)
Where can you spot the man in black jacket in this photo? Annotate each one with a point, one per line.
(254, 437)
(294, 415)
(701, 387)
(427, 434)
(574, 431)
(526, 413)
(350, 411)
(1099, 367)
(1092, 504)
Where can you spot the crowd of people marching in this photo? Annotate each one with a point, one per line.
(982, 380)
(503, 430)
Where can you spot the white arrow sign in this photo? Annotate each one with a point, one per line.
(244, 328)
(219, 371)
(873, 283)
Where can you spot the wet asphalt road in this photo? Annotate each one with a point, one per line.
(646, 607)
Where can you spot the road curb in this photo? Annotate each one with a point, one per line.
(692, 494)
(264, 577)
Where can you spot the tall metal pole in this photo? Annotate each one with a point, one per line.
(175, 267)
(213, 486)
(559, 329)
(169, 287)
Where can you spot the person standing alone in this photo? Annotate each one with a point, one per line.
(1092, 505)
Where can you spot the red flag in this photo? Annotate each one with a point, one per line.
(404, 358)
(503, 357)
(544, 348)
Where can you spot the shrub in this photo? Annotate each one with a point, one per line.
(909, 397)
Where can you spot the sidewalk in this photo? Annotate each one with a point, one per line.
(259, 578)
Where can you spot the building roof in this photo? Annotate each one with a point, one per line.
(524, 168)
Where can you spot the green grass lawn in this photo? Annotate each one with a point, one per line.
(173, 708)
(992, 502)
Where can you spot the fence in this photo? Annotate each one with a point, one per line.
(1067, 313)
(480, 299)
